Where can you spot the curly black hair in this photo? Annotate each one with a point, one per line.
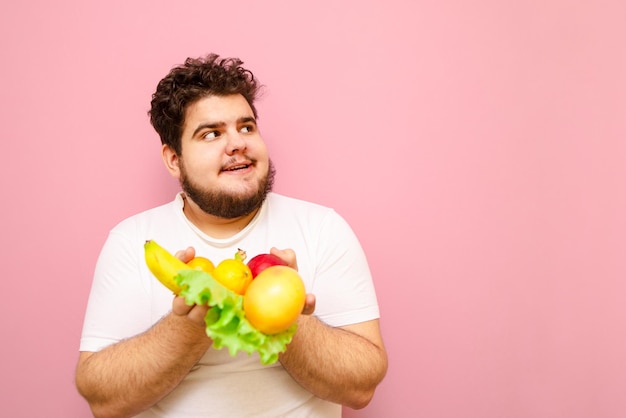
(195, 79)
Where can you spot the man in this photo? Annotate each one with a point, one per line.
(145, 353)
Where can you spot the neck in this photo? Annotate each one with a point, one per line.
(215, 226)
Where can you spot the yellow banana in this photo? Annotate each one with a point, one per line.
(163, 265)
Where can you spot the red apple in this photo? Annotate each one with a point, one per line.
(260, 262)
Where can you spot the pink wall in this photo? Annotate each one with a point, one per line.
(478, 149)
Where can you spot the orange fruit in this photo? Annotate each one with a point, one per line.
(201, 263)
(233, 274)
(274, 299)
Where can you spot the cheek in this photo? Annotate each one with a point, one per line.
(195, 171)
(260, 151)
(202, 159)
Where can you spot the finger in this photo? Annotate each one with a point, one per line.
(309, 304)
(197, 314)
(186, 255)
(287, 255)
(180, 307)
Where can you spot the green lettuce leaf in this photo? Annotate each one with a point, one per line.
(226, 322)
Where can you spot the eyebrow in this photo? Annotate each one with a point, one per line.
(214, 125)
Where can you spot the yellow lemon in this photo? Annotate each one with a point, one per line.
(233, 274)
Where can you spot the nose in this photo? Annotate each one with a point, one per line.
(236, 143)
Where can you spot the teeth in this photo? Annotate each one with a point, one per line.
(238, 167)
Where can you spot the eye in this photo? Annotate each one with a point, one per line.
(211, 135)
(246, 129)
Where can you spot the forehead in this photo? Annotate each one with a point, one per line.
(217, 109)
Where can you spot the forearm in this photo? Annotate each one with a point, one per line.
(334, 363)
(132, 375)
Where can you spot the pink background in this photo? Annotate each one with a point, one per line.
(477, 148)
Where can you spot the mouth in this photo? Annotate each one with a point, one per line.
(238, 166)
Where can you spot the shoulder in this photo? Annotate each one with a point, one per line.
(278, 202)
(312, 216)
(155, 217)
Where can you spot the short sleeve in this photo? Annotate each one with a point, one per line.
(117, 307)
(343, 282)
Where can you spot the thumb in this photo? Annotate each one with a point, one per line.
(287, 255)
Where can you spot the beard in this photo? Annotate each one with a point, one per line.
(227, 205)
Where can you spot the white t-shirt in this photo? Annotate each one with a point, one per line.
(126, 299)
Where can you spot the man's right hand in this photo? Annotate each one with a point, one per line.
(195, 313)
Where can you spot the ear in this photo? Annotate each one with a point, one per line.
(171, 161)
